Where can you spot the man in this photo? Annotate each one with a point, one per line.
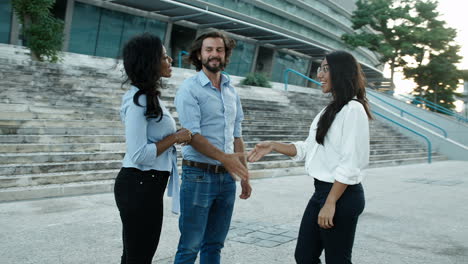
(210, 108)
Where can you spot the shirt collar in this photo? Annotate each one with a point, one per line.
(203, 79)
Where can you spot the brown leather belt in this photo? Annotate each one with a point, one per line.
(205, 166)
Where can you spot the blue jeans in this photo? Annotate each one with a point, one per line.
(206, 205)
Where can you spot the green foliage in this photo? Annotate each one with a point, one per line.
(389, 21)
(438, 80)
(436, 56)
(43, 32)
(409, 35)
(256, 79)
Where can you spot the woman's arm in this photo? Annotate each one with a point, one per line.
(326, 214)
(181, 136)
(266, 147)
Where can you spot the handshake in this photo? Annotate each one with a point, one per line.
(183, 136)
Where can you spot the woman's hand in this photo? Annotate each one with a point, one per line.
(260, 150)
(326, 214)
(183, 136)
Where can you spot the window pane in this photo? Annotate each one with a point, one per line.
(156, 27)
(241, 59)
(110, 32)
(5, 21)
(83, 32)
(133, 25)
(284, 61)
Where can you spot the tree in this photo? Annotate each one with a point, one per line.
(434, 70)
(410, 35)
(437, 80)
(389, 20)
(42, 31)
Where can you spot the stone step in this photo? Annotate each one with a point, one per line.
(57, 190)
(36, 158)
(61, 130)
(105, 186)
(46, 123)
(76, 147)
(394, 156)
(12, 170)
(59, 139)
(56, 178)
(261, 165)
(50, 109)
(26, 115)
(398, 162)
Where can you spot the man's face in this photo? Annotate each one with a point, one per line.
(212, 54)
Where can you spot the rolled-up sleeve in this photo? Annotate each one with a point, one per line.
(138, 148)
(354, 152)
(239, 119)
(188, 109)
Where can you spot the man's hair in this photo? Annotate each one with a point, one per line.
(195, 50)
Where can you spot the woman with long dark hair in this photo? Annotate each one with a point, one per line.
(336, 151)
(150, 159)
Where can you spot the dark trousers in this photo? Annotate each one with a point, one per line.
(336, 241)
(139, 197)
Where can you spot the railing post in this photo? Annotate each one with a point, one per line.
(286, 78)
(429, 144)
(182, 52)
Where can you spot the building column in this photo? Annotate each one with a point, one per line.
(15, 29)
(254, 61)
(167, 37)
(67, 26)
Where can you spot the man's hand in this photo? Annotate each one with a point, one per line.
(260, 150)
(246, 190)
(234, 166)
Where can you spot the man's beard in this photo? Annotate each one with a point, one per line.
(214, 69)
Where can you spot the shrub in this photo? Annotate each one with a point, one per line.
(256, 79)
(43, 32)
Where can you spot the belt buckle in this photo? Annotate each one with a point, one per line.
(220, 169)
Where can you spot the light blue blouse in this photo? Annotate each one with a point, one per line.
(140, 137)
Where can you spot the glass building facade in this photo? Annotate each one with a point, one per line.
(102, 32)
(99, 30)
(283, 61)
(5, 21)
(241, 59)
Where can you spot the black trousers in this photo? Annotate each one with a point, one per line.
(139, 197)
(337, 241)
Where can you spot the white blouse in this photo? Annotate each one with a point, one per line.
(345, 152)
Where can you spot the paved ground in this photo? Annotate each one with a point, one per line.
(414, 214)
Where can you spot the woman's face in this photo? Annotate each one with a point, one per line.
(166, 62)
(323, 74)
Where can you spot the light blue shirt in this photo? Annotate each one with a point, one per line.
(216, 115)
(140, 137)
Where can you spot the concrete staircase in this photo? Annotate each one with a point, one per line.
(60, 130)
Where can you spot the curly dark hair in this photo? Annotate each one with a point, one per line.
(347, 81)
(195, 50)
(142, 57)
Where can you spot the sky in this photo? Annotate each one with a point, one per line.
(454, 13)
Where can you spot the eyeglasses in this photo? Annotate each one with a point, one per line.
(323, 69)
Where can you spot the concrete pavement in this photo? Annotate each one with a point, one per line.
(414, 214)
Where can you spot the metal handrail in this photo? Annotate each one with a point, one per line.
(179, 57)
(286, 78)
(429, 145)
(435, 106)
(415, 116)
